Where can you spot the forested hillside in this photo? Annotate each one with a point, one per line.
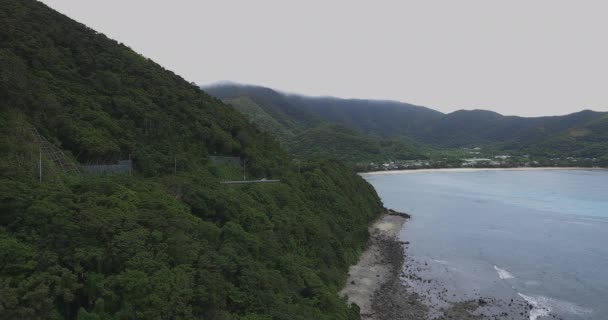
(578, 134)
(587, 140)
(168, 241)
(307, 132)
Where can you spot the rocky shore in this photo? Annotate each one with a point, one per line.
(372, 282)
(376, 283)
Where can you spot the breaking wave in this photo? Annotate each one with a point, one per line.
(503, 274)
(542, 306)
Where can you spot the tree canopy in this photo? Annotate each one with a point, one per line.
(168, 241)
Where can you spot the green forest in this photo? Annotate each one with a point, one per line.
(356, 130)
(168, 241)
(306, 135)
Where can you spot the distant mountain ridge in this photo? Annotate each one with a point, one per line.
(308, 130)
(583, 133)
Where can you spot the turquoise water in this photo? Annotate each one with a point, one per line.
(540, 235)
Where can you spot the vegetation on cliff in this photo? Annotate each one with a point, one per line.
(168, 241)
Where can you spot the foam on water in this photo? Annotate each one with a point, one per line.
(543, 306)
(538, 309)
(503, 274)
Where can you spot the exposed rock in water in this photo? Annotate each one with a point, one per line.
(397, 213)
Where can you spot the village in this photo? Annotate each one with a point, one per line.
(478, 158)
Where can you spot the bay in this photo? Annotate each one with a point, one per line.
(540, 236)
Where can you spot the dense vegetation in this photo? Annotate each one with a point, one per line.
(333, 141)
(581, 134)
(305, 133)
(155, 244)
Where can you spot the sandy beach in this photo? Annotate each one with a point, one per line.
(474, 169)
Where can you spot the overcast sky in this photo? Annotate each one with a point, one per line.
(516, 57)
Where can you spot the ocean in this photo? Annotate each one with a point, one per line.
(537, 236)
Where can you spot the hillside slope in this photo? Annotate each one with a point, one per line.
(573, 134)
(589, 139)
(168, 241)
(468, 128)
(308, 134)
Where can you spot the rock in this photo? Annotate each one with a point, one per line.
(397, 213)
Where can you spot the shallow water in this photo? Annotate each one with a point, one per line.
(540, 236)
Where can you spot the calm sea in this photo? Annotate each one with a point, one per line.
(539, 236)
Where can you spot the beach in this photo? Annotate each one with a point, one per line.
(377, 282)
(405, 171)
(373, 283)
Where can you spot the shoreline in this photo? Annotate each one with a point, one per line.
(376, 284)
(374, 280)
(403, 171)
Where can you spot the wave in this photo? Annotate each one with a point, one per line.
(539, 309)
(503, 274)
(542, 306)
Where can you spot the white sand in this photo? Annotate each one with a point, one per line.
(473, 169)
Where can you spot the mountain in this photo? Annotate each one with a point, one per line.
(168, 240)
(308, 131)
(581, 134)
(382, 118)
(467, 128)
(588, 138)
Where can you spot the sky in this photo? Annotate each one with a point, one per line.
(516, 57)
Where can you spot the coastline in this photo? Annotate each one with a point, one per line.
(404, 171)
(376, 275)
(376, 284)
(469, 278)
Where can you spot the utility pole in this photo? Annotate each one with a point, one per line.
(245, 169)
(244, 172)
(40, 166)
